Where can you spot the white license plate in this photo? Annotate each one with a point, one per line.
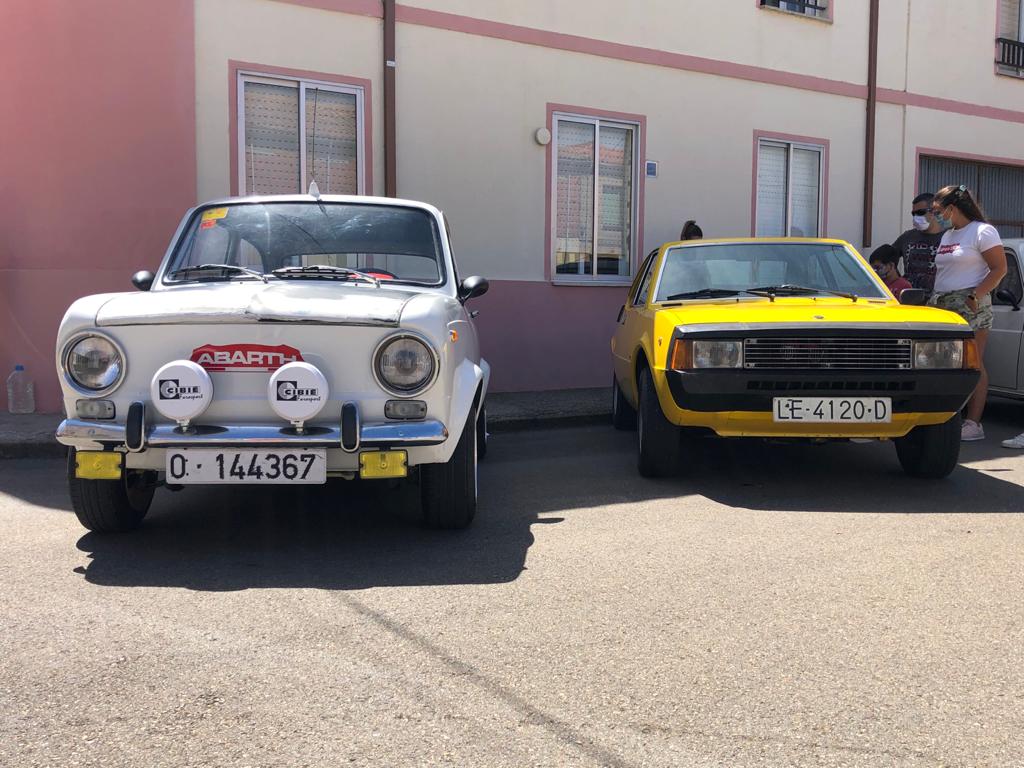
(266, 466)
(833, 410)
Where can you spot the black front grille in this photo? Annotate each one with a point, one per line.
(834, 385)
(851, 354)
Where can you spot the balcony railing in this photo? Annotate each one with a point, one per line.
(817, 8)
(1010, 53)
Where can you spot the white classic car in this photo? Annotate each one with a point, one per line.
(283, 340)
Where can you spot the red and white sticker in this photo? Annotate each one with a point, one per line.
(244, 357)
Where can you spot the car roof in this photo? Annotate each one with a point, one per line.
(351, 199)
(747, 240)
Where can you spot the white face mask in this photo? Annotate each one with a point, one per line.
(920, 223)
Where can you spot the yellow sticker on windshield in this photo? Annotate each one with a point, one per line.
(214, 213)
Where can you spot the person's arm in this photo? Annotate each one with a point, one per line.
(995, 257)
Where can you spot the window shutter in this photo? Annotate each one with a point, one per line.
(616, 215)
(574, 198)
(771, 190)
(271, 139)
(332, 157)
(1009, 19)
(806, 180)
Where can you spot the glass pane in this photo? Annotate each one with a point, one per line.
(332, 141)
(615, 218)
(771, 191)
(574, 199)
(806, 184)
(271, 139)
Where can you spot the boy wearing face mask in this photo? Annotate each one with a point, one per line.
(917, 246)
(883, 261)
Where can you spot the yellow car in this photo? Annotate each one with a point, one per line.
(787, 338)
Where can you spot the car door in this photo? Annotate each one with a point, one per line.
(1003, 350)
(629, 327)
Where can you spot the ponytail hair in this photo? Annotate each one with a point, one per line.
(960, 198)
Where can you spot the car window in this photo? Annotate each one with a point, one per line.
(740, 266)
(1011, 281)
(640, 297)
(393, 242)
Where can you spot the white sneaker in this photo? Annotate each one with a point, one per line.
(1014, 442)
(971, 430)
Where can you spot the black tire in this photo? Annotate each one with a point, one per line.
(481, 433)
(449, 491)
(109, 506)
(931, 451)
(623, 414)
(658, 439)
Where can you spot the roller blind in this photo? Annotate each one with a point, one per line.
(271, 142)
(806, 182)
(771, 190)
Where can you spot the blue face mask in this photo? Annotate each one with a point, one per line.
(942, 220)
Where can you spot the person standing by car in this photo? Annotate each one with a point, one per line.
(969, 264)
(691, 231)
(883, 260)
(917, 246)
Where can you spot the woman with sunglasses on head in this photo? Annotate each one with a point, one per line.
(969, 264)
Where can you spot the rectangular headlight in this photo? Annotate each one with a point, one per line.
(939, 354)
(717, 353)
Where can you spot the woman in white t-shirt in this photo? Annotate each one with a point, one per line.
(969, 264)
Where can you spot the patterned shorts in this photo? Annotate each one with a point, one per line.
(956, 301)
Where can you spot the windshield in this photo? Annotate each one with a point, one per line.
(731, 268)
(387, 242)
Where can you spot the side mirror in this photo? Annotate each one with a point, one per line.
(915, 297)
(1006, 296)
(472, 287)
(143, 280)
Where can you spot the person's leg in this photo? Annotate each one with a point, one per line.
(976, 405)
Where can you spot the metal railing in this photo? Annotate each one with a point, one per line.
(817, 8)
(1011, 53)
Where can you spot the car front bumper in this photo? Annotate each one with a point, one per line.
(739, 402)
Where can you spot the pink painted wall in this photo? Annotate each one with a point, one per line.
(98, 160)
(539, 336)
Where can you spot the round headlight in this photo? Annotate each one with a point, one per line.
(94, 363)
(405, 365)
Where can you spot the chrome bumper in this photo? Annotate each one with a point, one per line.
(404, 434)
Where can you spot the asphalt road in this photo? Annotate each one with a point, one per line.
(777, 605)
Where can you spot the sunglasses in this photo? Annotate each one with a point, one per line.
(921, 212)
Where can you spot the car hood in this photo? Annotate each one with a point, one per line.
(788, 311)
(241, 302)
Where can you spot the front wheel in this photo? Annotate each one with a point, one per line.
(931, 451)
(449, 491)
(108, 506)
(658, 439)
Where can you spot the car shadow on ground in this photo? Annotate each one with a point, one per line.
(352, 535)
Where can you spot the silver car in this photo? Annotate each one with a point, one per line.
(1004, 353)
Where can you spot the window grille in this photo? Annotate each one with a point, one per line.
(816, 8)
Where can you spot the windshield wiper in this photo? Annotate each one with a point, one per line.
(705, 293)
(786, 289)
(325, 272)
(226, 271)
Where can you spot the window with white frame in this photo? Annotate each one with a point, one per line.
(594, 195)
(292, 132)
(818, 9)
(789, 189)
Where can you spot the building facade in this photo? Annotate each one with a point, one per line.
(564, 141)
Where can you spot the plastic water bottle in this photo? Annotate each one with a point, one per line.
(21, 396)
